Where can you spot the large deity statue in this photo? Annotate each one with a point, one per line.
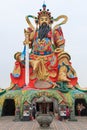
(49, 64)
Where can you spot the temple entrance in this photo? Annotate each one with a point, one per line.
(44, 105)
(44, 108)
(80, 107)
(44, 111)
(8, 107)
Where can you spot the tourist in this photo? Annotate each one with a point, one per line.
(80, 107)
(33, 111)
(62, 114)
(67, 112)
(30, 111)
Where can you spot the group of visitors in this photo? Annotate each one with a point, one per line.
(30, 113)
(64, 113)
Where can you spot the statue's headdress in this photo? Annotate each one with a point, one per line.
(44, 12)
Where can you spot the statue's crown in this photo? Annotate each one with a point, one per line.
(44, 12)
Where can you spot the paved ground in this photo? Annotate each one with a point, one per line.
(7, 123)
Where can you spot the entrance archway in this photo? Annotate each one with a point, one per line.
(8, 107)
(82, 105)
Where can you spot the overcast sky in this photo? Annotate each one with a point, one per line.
(12, 24)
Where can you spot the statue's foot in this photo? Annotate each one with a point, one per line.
(70, 86)
(63, 79)
(66, 79)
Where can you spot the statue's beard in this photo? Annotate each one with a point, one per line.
(43, 31)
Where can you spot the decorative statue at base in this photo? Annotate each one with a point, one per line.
(49, 64)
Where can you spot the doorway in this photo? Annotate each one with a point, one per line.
(45, 107)
(8, 107)
(80, 107)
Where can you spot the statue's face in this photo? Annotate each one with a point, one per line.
(44, 19)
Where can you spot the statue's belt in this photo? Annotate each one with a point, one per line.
(42, 53)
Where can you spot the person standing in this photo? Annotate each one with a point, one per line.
(79, 109)
(33, 111)
(62, 114)
(67, 112)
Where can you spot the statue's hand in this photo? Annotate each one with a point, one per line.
(29, 35)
